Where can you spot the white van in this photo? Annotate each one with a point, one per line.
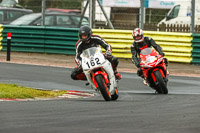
(180, 13)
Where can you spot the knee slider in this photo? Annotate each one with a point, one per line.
(139, 72)
(73, 76)
(166, 61)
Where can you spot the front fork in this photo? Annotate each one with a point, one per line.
(105, 76)
(153, 76)
(145, 74)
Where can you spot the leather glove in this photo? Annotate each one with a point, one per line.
(79, 63)
(108, 53)
(163, 54)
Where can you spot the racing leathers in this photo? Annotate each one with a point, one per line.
(94, 41)
(137, 47)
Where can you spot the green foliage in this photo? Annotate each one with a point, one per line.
(15, 91)
(36, 5)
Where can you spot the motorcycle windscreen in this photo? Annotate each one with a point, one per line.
(89, 52)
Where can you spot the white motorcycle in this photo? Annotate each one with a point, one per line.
(99, 73)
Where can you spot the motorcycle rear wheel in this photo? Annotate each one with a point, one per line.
(162, 87)
(103, 87)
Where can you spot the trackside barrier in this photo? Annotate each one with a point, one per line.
(176, 46)
(41, 39)
(57, 40)
(196, 49)
(1, 36)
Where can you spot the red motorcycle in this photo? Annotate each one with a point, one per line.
(154, 70)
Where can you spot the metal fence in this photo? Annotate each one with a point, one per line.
(147, 14)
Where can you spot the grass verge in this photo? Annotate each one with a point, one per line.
(14, 91)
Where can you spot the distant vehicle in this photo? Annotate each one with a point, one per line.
(7, 14)
(63, 10)
(180, 13)
(51, 19)
(10, 3)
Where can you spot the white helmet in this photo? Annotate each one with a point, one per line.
(138, 35)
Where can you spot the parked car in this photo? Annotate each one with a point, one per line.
(7, 15)
(180, 13)
(51, 19)
(73, 11)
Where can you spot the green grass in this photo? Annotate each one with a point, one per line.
(14, 91)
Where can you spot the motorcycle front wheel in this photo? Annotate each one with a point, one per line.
(162, 87)
(103, 87)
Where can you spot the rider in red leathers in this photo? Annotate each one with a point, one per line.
(87, 40)
(141, 42)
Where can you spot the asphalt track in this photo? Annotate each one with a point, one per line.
(138, 109)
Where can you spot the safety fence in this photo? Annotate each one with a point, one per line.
(178, 47)
(184, 28)
(1, 37)
(196, 49)
(41, 39)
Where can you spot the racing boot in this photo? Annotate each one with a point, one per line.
(166, 62)
(167, 72)
(118, 76)
(145, 82)
(81, 76)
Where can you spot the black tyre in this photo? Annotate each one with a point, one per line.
(115, 95)
(103, 87)
(162, 87)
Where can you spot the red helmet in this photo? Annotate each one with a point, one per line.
(138, 35)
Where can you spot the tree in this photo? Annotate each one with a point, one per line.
(35, 5)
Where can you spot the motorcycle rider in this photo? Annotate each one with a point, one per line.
(88, 40)
(141, 42)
